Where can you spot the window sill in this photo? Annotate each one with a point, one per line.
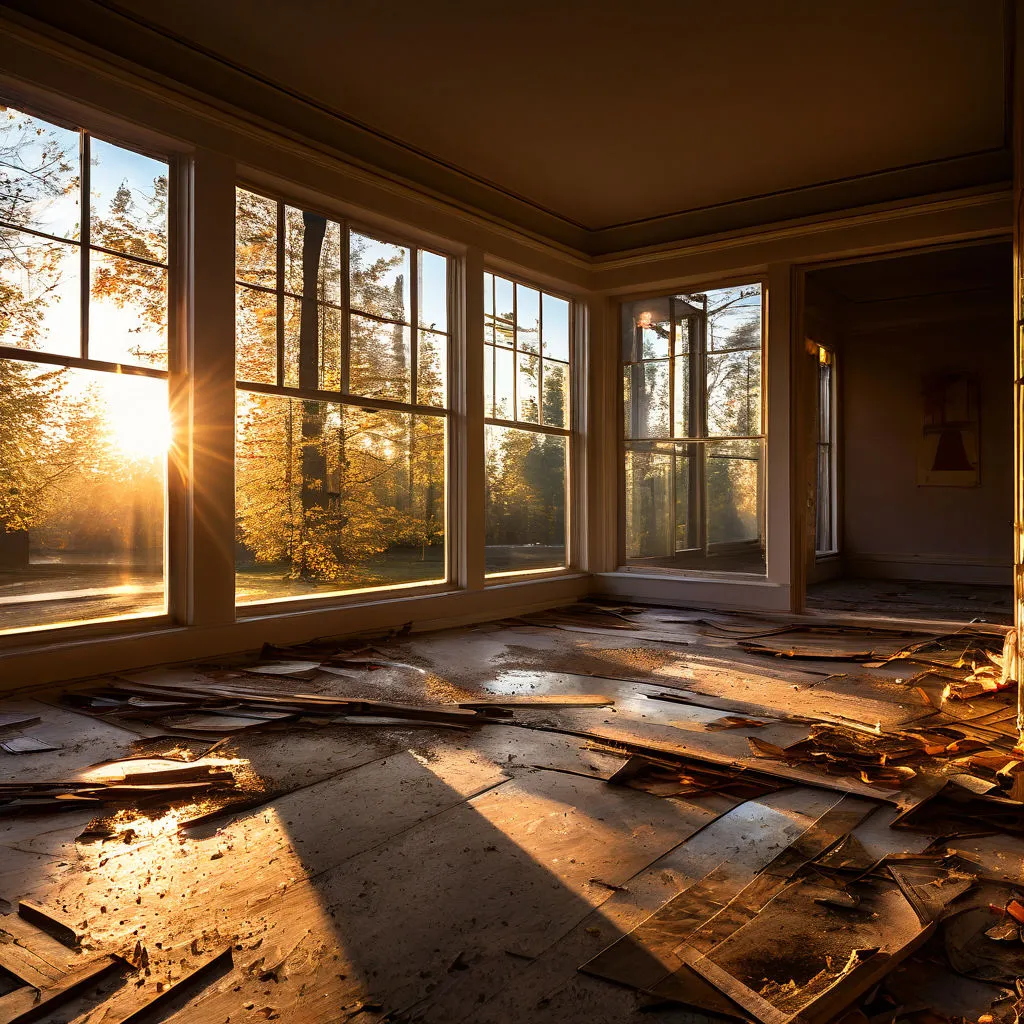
(692, 576)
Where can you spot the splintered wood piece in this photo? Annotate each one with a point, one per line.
(209, 964)
(54, 924)
(746, 998)
(549, 700)
(26, 966)
(27, 745)
(28, 1004)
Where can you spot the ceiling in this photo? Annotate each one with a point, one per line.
(590, 116)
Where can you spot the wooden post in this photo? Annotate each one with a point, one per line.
(1011, 667)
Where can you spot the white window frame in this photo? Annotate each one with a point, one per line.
(686, 288)
(177, 497)
(348, 224)
(571, 433)
(833, 460)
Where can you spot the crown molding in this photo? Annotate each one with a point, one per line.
(996, 201)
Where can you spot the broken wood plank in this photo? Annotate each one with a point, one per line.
(54, 924)
(746, 998)
(28, 1004)
(209, 963)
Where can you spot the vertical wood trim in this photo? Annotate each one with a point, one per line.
(211, 362)
(779, 520)
(804, 445)
(1016, 21)
(179, 390)
(604, 432)
(468, 420)
(578, 443)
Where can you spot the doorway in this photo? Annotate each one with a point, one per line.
(909, 459)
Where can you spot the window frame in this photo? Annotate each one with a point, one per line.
(832, 444)
(177, 497)
(415, 243)
(569, 432)
(624, 443)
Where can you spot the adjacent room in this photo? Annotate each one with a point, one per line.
(914, 449)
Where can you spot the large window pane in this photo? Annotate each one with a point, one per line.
(128, 202)
(127, 311)
(381, 360)
(649, 504)
(696, 505)
(433, 291)
(255, 239)
(734, 393)
(312, 345)
(432, 369)
(40, 175)
(40, 293)
(556, 328)
(333, 498)
(525, 479)
(312, 256)
(379, 280)
(692, 372)
(556, 394)
(83, 456)
(646, 396)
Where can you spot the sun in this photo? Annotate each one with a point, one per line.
(138, 416)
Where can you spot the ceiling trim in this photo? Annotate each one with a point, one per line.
(108, 28)
(997, 200)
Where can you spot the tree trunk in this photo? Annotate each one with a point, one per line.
(314, 458)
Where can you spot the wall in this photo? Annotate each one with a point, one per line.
(892, 526)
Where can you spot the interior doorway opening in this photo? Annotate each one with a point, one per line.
(909, 455)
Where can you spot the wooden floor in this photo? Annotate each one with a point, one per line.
(461, 875)
(914, 599)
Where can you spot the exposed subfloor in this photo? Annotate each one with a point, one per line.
(914, 599)
(485, 869)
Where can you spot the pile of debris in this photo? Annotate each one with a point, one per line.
(141, 789)
(222, 709)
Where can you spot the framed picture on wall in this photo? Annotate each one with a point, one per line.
(948, 451)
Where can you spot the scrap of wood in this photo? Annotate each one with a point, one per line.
(54, 924)
(735, 722)
(26, 966)
(209, 964)
(28, 1004)
(745, 998)
(21, 744)
(550, 700)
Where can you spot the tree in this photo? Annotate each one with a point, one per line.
(324, 489)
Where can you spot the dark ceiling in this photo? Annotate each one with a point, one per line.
(604, 124)
(970, 268)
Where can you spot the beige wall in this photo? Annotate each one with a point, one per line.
(892, 526)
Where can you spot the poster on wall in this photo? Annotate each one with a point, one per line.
(948, 453)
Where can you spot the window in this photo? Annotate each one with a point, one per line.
(825, 523)
(84, 275)
(342, 406)
(526, 411)
(694, 441)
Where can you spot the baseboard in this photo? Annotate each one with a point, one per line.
(743, 593)
(931, 569)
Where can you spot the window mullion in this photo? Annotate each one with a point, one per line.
(85, 234)
(346, 311)
(279, 297)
